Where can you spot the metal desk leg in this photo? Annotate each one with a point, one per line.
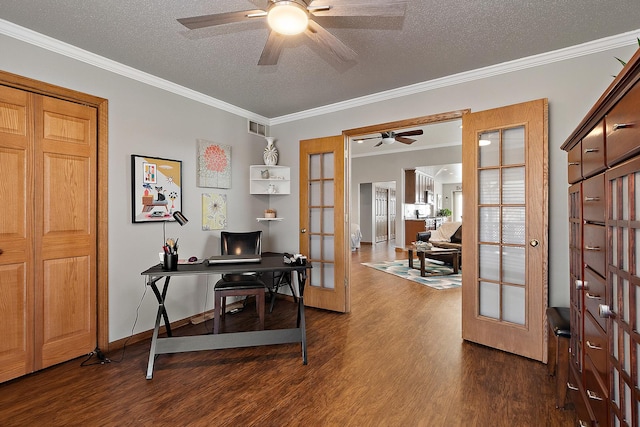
(302, 278)
(154, 341)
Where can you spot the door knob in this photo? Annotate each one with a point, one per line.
(534, 242)
(303, 230)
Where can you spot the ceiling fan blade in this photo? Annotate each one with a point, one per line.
(196, 22)
(372, 8)
(272, 49)
(369, 137)
(378, 144)
(405, 140)
(410, 133)
(329, 42)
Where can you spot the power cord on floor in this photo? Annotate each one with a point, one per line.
(102, 358)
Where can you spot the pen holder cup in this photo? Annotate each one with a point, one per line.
(170, 262)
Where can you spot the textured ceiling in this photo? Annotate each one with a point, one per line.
(434, 39)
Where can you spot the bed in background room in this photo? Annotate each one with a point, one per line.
(356, 236)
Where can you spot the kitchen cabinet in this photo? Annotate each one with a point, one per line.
(418, 187)
(411, 229)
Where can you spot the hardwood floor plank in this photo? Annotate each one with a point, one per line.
(396, 360)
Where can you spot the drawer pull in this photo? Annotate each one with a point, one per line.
(617, 126)
(604, 311)
(574, 163)
(582, 423)
(591, 199)
(572, 387)
(592, 395)
(591, 296)
(590, 150)
(592, 248)
(581, 284)
(593, 346)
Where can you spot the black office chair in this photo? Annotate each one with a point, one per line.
(238, 284)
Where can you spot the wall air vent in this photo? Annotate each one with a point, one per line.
(257, 128)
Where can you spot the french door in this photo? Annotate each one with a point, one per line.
(322, 222)
(504, 281)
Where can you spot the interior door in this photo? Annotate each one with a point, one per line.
(65, 230)
(322, 222)
(504, 281)
(16, 225)
(381, 214)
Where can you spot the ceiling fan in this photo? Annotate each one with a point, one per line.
(391, 137)
(290, 17)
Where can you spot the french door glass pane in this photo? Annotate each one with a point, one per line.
(513, 146)
(489, 225)
(327, 217)
(314, 220)
(625, 198)
(315, 171)
(513, 309)
(513, 185)
(327, 166)
(489, 149)
(489, 186)
(513, 225)
(490, 300)
(315, 195)
(513, 265)
(327, 194)
(489, 258)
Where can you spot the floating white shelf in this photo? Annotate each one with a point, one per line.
(270, 180)
(269, 219)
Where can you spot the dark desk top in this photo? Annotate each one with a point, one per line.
(271, 261)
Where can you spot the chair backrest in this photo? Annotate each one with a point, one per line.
(245, 243)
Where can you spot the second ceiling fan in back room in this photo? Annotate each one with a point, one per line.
(291, 17)
(391, 137)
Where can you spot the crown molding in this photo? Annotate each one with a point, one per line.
(29, 36)
(588, 48)
(45, 42)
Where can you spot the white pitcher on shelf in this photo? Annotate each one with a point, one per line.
(270, 152)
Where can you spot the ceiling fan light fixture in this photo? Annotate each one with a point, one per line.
(389, 140)
(288, 17)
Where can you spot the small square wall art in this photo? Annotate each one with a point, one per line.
(214, 164)
(214, 211)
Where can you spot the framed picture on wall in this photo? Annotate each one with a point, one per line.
(156, 188)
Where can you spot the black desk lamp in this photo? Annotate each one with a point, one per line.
(180, 219)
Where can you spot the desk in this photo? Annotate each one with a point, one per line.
(170, 344)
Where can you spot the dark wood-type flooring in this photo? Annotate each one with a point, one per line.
(396, 360)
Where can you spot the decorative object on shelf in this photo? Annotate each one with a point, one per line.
(270, 213)
(270, 154)
(271, 189)
(156, 189)
(214, 211)
(265, 174)
(214, 165)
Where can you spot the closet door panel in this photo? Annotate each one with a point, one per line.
(16, 223)
(65, 135)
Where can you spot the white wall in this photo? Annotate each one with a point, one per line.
(149, 121)
(571, 86)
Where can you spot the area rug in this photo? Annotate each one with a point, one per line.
(438, 276)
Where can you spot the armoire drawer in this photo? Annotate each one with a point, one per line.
(594, 254)
(574, 168)
(597, 397)
(593, 151)
(593, 206)
(578, 398)
(595, 345)
(595, 294)
(623, 127)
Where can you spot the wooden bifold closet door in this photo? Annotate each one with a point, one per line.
(48, 180)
